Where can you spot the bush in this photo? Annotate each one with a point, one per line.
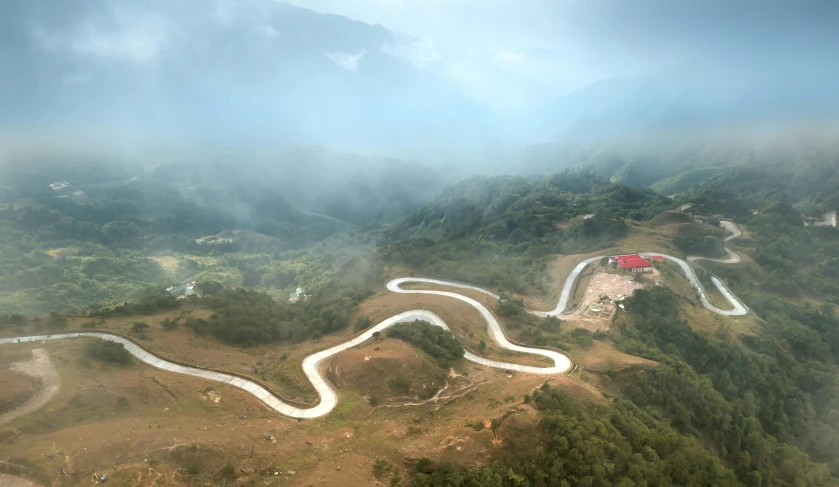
(139, 326)
(400, 384)
(362, 323)
(552, 323)
(509, 307)
(56, 320)
(109, 352)
(227, 470)
(440, 344)
(169, 324)
(380, 468)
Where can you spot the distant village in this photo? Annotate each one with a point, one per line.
(62, 187)
(183, 290)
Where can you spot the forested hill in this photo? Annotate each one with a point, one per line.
(485, 230)
(103, 237)
(672, 162)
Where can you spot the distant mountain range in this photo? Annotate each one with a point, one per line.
(247, 71)
(700, 97)
(261, 73)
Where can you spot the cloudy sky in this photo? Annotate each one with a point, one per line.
(505, 64)
(565, 44)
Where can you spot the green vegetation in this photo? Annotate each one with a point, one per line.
(764, 407)
(706, 246)
(247, 317)
(109, 352)
(499, 231)
(438, 343)
(585, 444)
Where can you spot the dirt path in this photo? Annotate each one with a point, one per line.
(10, 481)
(39, 367)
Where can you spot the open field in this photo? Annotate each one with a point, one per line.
(169, 263)
(160, 428)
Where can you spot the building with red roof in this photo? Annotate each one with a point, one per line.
(631, 263)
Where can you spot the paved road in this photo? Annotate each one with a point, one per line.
(312, 364)
(731, 257)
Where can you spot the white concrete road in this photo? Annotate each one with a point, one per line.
(312, 364)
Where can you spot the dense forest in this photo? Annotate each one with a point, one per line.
(500, 231)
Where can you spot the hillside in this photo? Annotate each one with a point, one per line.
(500, 231)
(121, 227)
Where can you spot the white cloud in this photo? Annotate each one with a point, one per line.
(74, 79)
(137, 38)
(267, 32)
(421, 53)
(508, 56)
(346, 60)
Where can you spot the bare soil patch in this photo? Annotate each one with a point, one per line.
(167, 262)
(603, 356)
(42, 369)
(15, 389)
(388, 372)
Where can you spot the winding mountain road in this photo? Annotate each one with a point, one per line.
(313, 364)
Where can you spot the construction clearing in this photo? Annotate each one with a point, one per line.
(604, 292)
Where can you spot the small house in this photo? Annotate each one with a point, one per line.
(183, 290)
(631, 263)
(297, 295)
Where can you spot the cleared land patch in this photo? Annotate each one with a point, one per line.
(167, 262)
(63, 252)
(41, 368)
(388, 372)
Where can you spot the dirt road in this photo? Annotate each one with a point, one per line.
(10, 481)
(39, 367)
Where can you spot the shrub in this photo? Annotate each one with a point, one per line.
(139, 326)
(440, 344)
(109, 352)
(400, 384)
(362, 323)
(169, 324)
(381, 467)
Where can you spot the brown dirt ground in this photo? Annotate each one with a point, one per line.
(603, 356)
(41, 368)
(369, 369)
(14, 388)
(9, 481)
(150, 437)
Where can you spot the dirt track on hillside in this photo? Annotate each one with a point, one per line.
(41, 368)
(10, 481)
